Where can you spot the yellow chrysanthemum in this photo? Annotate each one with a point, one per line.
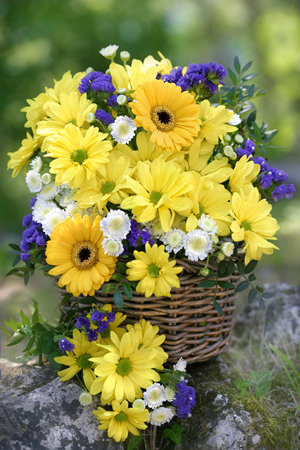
(70, 109)
(244, 173)
(78, 359)
(122, 420)
(171, 115)
(78, 156)
(76, 251)
(160, 191)
(148, 338)
(156, 273)
(214, 122)
(36, 110)
(111, 184)
(209, 198)
(124, 370)
(138, 72)
(21, 157)
(146, 151)
(253, 224)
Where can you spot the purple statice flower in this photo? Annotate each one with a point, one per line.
(26, 221)
(104, 117)
(290, 189)
(266, 181)
(24, 256)
(25, 245)
(112, 100)
(65, 345)
(33, 234)
(147, 237)
(174, 76)
(111, 316)
(217, 72)
(102, 326)
(242, 151)
(96, 81)
(83, 322)
(32, 202)
(97, 316)
(279, 192)
(184, 399)
(40, 240)
(262, 162)
(92, 335)
(249, 146)
(278, 175)
(135, 233)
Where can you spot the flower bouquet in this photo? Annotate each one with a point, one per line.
(151, 196)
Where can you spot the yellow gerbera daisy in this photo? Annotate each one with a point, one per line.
(253, 224)
(146, 151)
(214, 122)
(171, 115)
(122, 420)
(209, 198)
(21, 157)
(149, 338)
(160, 191)
(111, 185)
(124, 369)
(77, 156)
(76, 251)
(156, 273)
(78, 359)
(244, 173)
(70, 109)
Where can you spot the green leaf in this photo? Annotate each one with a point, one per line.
(252, 277)
(207, 284)
(263, 390)
(16, 341)
(237, 64)
(14, 247)
(242, 286)
(232, 75)
(87, 300)
(36, 315)
(16, 260)
(134, 442)
(5, 331)
(267, 295)
(25, 319)
(117, 276)
(260, 377)
(174, 434)
(243, 384)
(252, 296)
(230, 267)
(226, 285)
(222, 267)
(53, 363)
(246, 67)
(250, 266)
(261, 303)
(249, 77)
(244, 393)
(65, 299)
(12, 271)
(30, 344)
(12, 324)
(127, 290)
(241, 267)
(109, 287)
(218, 307)
(118, 300)
(122, 267)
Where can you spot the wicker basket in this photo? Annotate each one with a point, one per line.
(193, 328)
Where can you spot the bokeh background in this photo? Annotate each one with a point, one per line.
(40, 41)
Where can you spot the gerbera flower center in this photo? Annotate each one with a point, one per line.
(79, 156)
(155, 197)
(124, 367)
(153, 270)
(83, 361)
(246, 225)
(85, 255)
(121, 417)
(163, 117)
(108, 187)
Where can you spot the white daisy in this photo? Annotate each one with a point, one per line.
(155, 395)
(155, 228)
(235, 119)
(125, 56)
(139, 403)
(173, 240)
(109, 52)
(160, 416)
(53, 218)
(42, 210)
(227, 248)
(73, 209)
(37, 164)
(170, 394)
(46, 178)
(116, 225)
(180, 365)
(122, 130)
(49, 192)
(208, 224)
(112, 247)
(33, 180)
(85, 398)
(197, 244)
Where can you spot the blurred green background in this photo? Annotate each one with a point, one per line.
(40, 41)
